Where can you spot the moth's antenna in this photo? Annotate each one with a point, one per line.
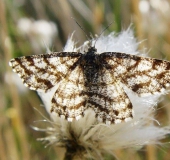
(81, 28)
(102, 32)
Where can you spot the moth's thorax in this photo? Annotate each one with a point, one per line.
(90, 65)
(90, 57)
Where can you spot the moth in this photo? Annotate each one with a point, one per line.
(92, 80)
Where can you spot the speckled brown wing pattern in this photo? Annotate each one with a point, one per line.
(93, 81)
(105, 96)
(42, 72)
(142, 75)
